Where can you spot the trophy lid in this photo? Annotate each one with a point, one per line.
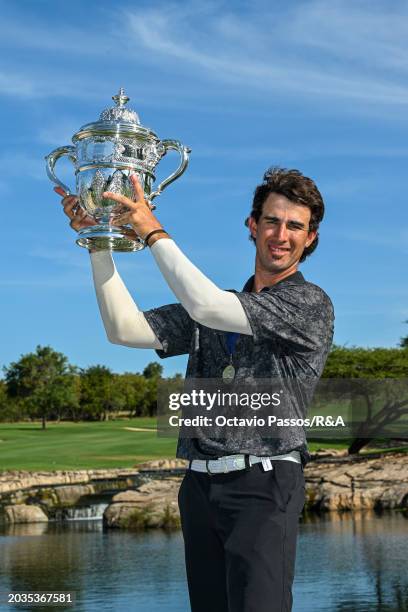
(118, 120)
(120, 112)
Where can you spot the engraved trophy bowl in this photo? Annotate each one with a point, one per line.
(105, 154)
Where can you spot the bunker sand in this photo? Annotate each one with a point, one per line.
(139, 429)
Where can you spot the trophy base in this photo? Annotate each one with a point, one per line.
(109, 238)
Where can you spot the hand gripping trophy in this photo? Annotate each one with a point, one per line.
(106, 154)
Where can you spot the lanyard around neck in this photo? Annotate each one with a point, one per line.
(231, 338)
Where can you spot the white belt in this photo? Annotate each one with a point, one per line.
(231, 463)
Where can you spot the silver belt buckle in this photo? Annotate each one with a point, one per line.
(234, 462)
(207, 461)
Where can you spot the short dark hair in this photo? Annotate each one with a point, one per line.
(297, 188)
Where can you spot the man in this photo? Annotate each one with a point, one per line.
(241, 497)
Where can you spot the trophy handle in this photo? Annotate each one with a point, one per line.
(52, 159)
(173, 145)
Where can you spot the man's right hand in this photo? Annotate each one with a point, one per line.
(79, 218)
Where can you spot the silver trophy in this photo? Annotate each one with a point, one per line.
(105, 154)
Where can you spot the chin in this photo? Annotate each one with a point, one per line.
(283, 262)
(276, 267)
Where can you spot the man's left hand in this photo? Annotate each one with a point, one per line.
(137, 212)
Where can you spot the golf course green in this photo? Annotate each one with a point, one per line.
(119, 443)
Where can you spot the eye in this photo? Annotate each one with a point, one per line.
(294, 226)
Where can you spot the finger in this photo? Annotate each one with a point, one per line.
(60, 191)
(117, 197)
(139, 193)
(81, 215)
(69, 208)
(69, 200)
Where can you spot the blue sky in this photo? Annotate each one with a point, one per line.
(320, 86)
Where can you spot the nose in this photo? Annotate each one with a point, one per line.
(281, 232)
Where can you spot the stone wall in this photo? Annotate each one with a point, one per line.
(333, 482)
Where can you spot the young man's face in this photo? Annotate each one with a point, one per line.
(282, 233)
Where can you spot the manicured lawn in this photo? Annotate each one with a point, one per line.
(61, 446)
(70, 446)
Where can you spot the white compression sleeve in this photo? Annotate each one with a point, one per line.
(124, 322)
(203, 300)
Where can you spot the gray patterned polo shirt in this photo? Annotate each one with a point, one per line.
(292, 326)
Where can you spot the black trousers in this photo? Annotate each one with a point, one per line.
(240, 531)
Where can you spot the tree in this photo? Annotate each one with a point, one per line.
(3, 393)
(404, 341)
(152, 373)
(153, 370)
(132, 389)
(44, 381)
(11, 409)
(378, 380)
(99, 394)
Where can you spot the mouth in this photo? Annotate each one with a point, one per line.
(277, 250)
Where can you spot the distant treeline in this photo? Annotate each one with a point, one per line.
(44, 385)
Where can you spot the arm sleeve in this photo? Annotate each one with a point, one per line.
(124, 323)
(300, 316)
(202, 299)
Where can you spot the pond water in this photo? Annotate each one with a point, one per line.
(350, 562)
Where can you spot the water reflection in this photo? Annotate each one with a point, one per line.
(354, 561)
(346, 562)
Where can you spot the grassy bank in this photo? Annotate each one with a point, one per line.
(110, 444)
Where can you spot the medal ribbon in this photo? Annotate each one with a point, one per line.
(231, 338)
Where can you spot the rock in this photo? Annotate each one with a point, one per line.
(367, 483)
(24, 513)
(61, 496)
(334, 481)
(163, 464)
(329, 452)
(154, 504)
(69, 495)
(15, 480)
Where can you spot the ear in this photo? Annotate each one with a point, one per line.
(252, 224)
(310, 237)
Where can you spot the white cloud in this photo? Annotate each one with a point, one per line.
(373, 34)
(276, 53)
(348, 50)
(40, 82)
(60, 132)
(59, 38)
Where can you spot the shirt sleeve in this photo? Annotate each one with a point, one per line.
(174, 328)
(299, 316)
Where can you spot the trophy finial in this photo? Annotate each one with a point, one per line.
(120, 112)
(121, 98)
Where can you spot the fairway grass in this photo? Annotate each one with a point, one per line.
(121, 443)
(85, 445)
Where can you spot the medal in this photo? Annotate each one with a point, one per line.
(228, 373)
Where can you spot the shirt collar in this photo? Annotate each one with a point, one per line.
(296, 278)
